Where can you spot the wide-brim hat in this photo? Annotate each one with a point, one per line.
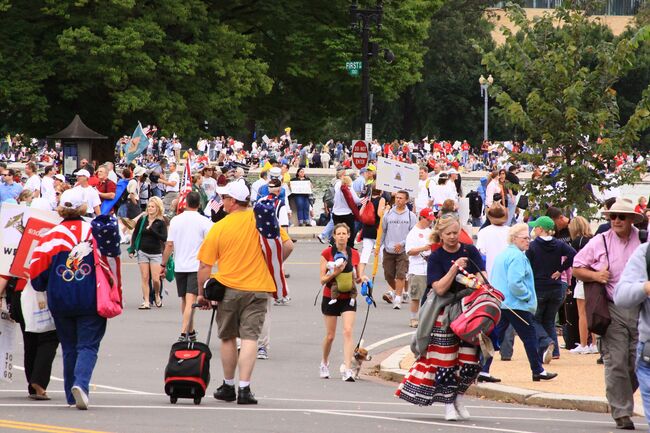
(497, 214)
(626, 207)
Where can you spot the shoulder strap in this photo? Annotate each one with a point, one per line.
(606, 252)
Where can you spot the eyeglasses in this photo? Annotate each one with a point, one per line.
(613, 216)
(526, 238)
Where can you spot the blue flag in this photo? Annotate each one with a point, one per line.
(136, 145)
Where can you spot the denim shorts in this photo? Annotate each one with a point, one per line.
(149, 258)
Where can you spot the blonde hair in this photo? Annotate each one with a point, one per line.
(516, 231)
(579, 226)
(159, 206)
(66, 212)
(442, 224)
(346, 180)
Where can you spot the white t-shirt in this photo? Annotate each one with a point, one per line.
(33, 183)
(209, 186)
(47, 189)
(491, 241)
(91, 197)
(418, 238)
(173, 177)
(112, 176)
(340, 205)
(187, 232)
(423, 198)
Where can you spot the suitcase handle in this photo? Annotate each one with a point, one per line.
(214, 312)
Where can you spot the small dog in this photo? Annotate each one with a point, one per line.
(360, 355)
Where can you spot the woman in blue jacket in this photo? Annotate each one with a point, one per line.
(513, 276)
(548, 257)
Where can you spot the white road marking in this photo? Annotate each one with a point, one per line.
(388, 340)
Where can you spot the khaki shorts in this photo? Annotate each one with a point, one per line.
(417, 286)
(241, 314)
(395, 266)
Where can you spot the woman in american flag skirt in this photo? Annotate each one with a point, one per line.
(443, 372)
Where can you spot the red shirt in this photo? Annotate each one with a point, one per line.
(327, 254)
(106, 186)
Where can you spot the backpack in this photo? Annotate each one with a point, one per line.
(475, 204)
(481, 312)
(328, 196)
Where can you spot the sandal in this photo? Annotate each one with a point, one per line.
(158, 302)
(40, 397)
(144, 307)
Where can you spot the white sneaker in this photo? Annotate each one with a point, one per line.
(580, 350)
(460, 409)
(592, 348)
(548, 353)
(450, 412)
(397, 306)
(80, 398)
(324, 370)
(388, 296)
(347, 376)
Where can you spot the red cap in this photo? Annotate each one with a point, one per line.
(428, 214)
(455, 164)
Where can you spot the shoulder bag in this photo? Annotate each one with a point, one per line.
(596, 301)
(109, 293)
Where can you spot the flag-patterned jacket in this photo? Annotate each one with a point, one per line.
(63, 264)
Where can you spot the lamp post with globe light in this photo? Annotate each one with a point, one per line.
(485, 84)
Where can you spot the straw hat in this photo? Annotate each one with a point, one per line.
(626, 207)
(497, 214)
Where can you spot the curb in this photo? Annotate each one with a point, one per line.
(390, 369)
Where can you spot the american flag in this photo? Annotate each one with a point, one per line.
(185, 188)
(215, 205)
(269, 229)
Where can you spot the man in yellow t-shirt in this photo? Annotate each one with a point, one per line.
(234, 244)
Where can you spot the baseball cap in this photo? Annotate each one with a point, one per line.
(237, 190)
(82, 172)
(60, 177)
(275, 183)
(139, 171)
(428, 214)
(372, 168)
(544, 222)
(275, 172)
(452, 171)
(363, 170)
(72, 198)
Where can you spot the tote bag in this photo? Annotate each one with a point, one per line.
(109, 293)
(36, 313)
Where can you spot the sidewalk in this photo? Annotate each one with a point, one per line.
(580, 384)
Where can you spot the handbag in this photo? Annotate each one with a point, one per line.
(596, 302)
(169, 269)
(36, 314)
(367, 213)
(109, 293)
(522, 203)
(136, 244)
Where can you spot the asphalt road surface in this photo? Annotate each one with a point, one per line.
(128, 394)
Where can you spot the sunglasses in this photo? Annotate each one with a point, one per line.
(613, 216)
(58, 193)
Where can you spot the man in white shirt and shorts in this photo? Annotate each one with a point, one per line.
(418, 249)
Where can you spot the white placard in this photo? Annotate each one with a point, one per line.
(266, 139)
(8, 330)
(393, 176)
(13, 219)
(300, 187)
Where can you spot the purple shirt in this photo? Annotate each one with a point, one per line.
(619, 251)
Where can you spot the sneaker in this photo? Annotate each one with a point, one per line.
(388, 297)
(414, 323)
(183, 337)
(324, 370)
(592, 349)
(450, 412)
(397, 306)
(80, 398)
(321, 239)
(462, 412)
(347, 376)
(192, 336)
(548, 353)
(262, 353)
(579, 350)
(225, 392)
(246, 396)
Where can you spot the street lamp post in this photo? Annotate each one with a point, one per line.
(361, 21)
(485, 83)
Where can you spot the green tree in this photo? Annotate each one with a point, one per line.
(307, 44)
(554, 80)
(115, 62)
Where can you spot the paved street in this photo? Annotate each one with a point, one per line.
(128, 394)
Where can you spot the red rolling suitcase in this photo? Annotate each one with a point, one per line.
(187, 374)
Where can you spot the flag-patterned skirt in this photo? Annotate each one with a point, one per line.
(446, 370)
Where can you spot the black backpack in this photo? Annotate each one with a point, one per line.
(475, 204)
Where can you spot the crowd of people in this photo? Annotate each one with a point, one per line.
(543, 259)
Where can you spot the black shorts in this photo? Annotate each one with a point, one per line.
(340, 306)
(186, 282)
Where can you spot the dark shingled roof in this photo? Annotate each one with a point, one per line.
(77, 129)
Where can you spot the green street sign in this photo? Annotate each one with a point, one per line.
(353, 68)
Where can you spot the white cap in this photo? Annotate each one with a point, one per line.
(72, 198)
(452, 171)
(237, 190)
(60, 177)
(82, 172)
(275, 172)
(139, 171)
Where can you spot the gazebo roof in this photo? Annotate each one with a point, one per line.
(77, 129)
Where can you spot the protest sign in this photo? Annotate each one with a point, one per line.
(393, 176)
(8, 330)
(300, 187)
(35, 229)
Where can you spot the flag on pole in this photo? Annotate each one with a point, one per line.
(185, 188)
(137, 144)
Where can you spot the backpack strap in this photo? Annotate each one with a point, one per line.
(647, 260)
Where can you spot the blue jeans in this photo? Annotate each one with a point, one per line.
(507, 342)
(549, 302)
(156, 192)
(327, 231)
(80, 337)
(643, 374)
(302, 205)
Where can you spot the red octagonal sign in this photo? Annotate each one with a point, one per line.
(360, 154)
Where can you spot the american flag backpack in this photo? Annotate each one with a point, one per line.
(268, 226)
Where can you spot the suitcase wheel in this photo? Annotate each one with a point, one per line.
(173, 400)
(197, 400)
